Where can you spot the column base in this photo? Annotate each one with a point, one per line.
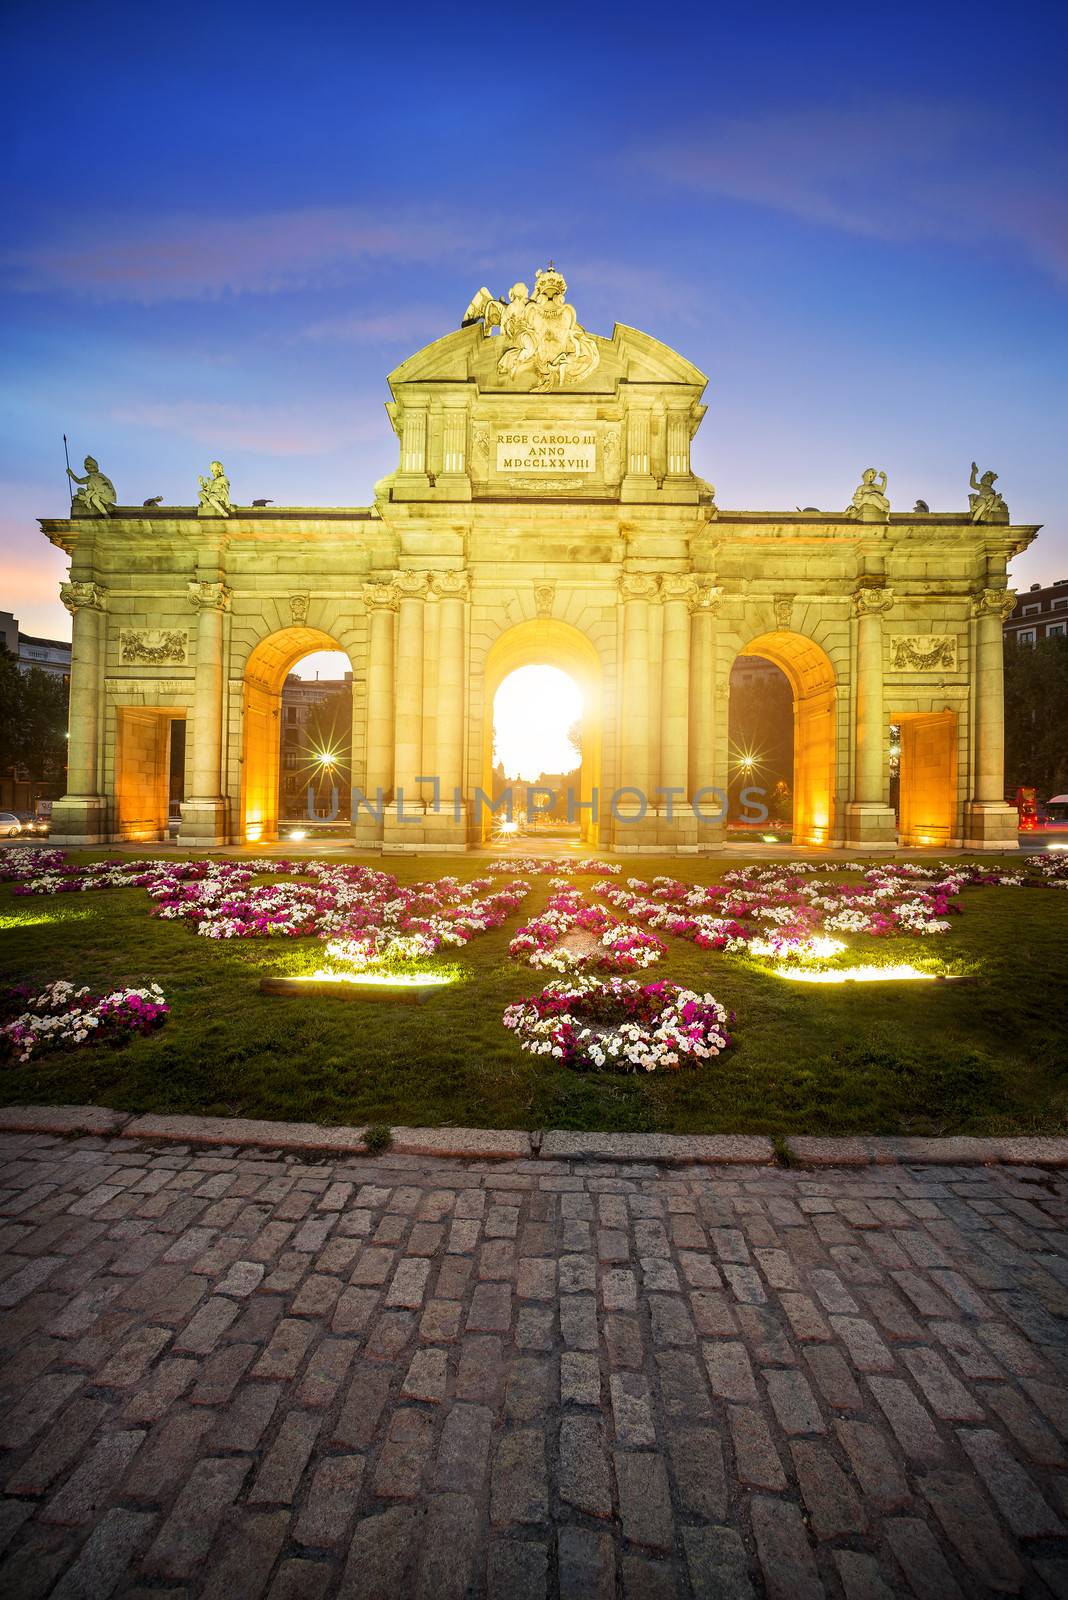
(205, 822)
(872, 826)
(418, 829)
(79, 819)
(656, 833)
(991, 825)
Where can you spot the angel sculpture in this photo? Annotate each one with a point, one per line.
(97, 497)
(215, 493)
(986, 504)
(869, 502)
(540, 332)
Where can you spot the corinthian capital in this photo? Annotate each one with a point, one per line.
(639, 586)
(679, 586)
(872, 602)
(413, 585)
(995, 603)
(451, 585)
(380, 596)
(80, 596)
(708, 597)
(209, 596)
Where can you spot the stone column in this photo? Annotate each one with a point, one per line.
(204, 813)
(412, 588)
(679, 591)
(380, 602)
(636, 590)
(869, 820)
(702, 767)
(989, 823)
(452, 591)
(80, 817)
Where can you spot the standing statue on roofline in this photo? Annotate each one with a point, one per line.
(987, 504)
(97, 497)
(215, 493)
(869, 502)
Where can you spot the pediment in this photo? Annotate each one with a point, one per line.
(469, 356)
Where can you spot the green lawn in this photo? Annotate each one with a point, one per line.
(985, 1057)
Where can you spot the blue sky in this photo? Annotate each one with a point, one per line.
(226, 224)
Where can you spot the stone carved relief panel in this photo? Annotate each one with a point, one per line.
(923, 652)
(153, 645)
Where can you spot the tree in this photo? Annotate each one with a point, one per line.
(33, 721)
(1036, 717)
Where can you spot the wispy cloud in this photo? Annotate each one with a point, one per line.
(207, 258)
(262, 429)
(901, 170)
(407, 325)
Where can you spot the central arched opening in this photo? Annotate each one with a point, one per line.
(537, 747)
(781, 733)
(542, 731)
(297, 746)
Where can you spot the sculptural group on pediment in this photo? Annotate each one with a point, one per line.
(540, 332)
(215, 493)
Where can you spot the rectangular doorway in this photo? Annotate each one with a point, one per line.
(143, 771)
(927, 796)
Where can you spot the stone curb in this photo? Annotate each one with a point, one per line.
(1012, 1150)
(62, 1119)
(511, 1144)
(710, 1149)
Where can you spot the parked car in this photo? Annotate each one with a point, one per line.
(1054, 815)
(10, 826)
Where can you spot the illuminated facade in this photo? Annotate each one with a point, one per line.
(543, 511)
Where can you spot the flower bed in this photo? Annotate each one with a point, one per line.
(571, 935)
(62, 1016)
(620, 1024)
(305, 899)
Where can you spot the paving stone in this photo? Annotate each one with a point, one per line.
(786, 1559)
(580, 1379)
(330, 1506)
(186, 1537)
(60, 1446)
(382, 1556)
(644, 1500)
(1012, 1490)
(874, 1465)
(246, 1548)
(519, 1484)
(794, 1403)
(583, 1479)
(729, 1372)
(463, 1450)
(90, 1485)
(717, 1563)
(286, 1351)
(916, 1433)
(966, 1519)
(106, 1556)
(283, 1467)
(757, 1461)
(404, 1456)
(364, 1403)
(427, 1376)
(696, 1457)
(833, 1507)
(586, 1565)
(479, 1374)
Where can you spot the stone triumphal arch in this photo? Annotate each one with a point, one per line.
(543, 510)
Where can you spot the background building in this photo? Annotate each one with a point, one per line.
(1040, 613)
(48, 655)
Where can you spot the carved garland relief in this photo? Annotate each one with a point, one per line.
(923, 652)
(153, 645)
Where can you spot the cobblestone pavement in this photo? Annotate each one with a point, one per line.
(226, 1375)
